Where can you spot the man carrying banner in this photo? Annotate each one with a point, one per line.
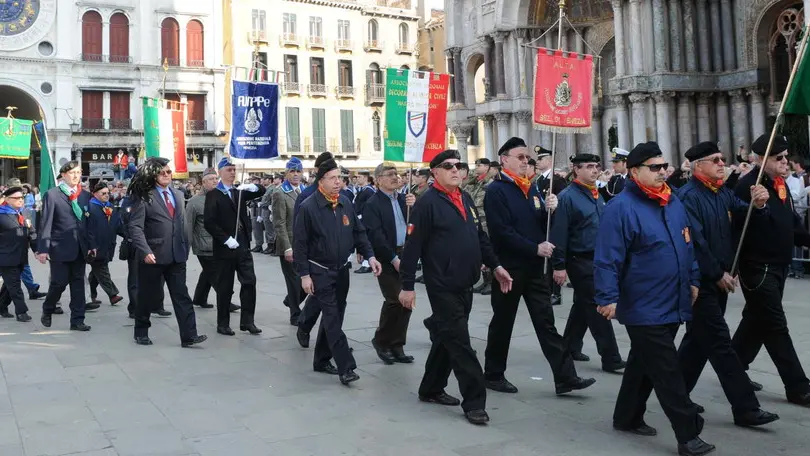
(546, 179)
(283, 204)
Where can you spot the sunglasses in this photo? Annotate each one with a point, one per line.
(715, 160)
(521, 157)
(165, 173)
(782, 157)
(448, 166)
(658, 167)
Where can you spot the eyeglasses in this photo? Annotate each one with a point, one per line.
(658, 167)
(521, 157)
(103, 193)
(782, 157)
(715, 160)
(14, 197)
(166, 173)
(448, 166)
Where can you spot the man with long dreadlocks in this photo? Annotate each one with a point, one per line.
(156, 229)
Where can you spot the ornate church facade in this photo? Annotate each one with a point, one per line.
(673, 71)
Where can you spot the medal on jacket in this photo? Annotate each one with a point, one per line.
(729, 216)
(782, 193)
(28, 223)
(536, 202)
(410, 229)
(686, 236)
(474, 215)
(345, 220)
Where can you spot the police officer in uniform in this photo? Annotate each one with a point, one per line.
(616, 183)
(544, 179)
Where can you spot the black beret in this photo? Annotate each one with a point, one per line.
(532, 162)
(643, 152)
(325, 167)
(511, 143)
(702, 150)
(422, 172)
(101, 185)
(465, 166)
(585, 158)
(759, 147)
(496, 165)
(482, 161)
(12, 190)
(442, 156)
(69, 166)
(322, 158)
(542, 152)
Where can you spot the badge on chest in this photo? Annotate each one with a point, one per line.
(686, 235)
(345, 220)
(536, 202)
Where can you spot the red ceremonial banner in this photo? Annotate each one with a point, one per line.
(179, 138)
(563, 91)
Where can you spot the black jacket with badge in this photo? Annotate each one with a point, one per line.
(102, 232)
(220, 219)
(15, 240)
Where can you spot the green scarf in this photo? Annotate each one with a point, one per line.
(74, 200)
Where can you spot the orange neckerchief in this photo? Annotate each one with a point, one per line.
(108, 212)
(713, 185)
(482, 177)
(455, 198)
(656, 194)
(332, 199)
(780, 187)
(592, 188)
(523, 183)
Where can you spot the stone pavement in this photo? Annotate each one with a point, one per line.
(98, 394)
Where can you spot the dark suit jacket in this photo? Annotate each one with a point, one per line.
(557, 186)
(101, 233)
(61, 235)
(378, 217)
(153, 231)
(15, 240)
(219, 218)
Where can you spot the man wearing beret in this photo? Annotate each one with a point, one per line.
(17, 235)
(232, 246)
(518, 215)
(573, 234)
(326, 231)
(765, 258)
(544, 179)
(103, 227)
(283, 204)
(616, 182)
(477, 188)
(710, 205)
(646, 276)
(446, 234)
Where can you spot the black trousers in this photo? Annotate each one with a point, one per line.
(258, 232)
(295, 294)
(62, 275)
(764, 323)
(206, 280)
(100, 275)
(451, 350)
(309, 314)
(149, 275)
(532, 286)
(393, 328)
(12, 290)
(132, 287)
(242, 266)
(708, 338)
(331, 289)
(583, 315)
(653, 365)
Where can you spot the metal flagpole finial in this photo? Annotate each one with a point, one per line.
(10, 109)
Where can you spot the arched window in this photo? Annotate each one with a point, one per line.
(119, 38)
(195, 54)
(404, 67)
(373, 33)
(374, 74)
(782, 49)
(91, 37)
(404, 37)
(170, 42)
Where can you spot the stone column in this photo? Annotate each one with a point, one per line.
(105, 38)
(660, 36)
(676, 46)
(684, 122)
(662, 122)
(622, 121)
(717, 36)
(703, 121)
(105, 105)
(702, 49)
(729, 43)
(758, 112)
(458, 79)
(502, 119)
(521, 56)
(723, 124)
(489, 137)
(451, 66)
(739, 127)
(596, 132)
(639, 107)
(500, 76)
(618, 28)
(462, 132)
(489, 71)
(579, 44)
(636, 42)
(524, 119)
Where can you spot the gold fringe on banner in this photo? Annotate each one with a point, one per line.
(563, 130)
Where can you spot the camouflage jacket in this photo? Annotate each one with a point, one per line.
(477, 190)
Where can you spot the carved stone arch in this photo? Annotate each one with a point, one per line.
(599, 35)
(472, 58)
(756, 14)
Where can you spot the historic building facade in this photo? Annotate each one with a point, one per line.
(674, 71)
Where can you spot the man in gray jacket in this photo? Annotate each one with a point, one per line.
(201, 241)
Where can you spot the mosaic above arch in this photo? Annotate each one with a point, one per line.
(578, 11)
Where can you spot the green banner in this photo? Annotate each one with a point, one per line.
(396, 111)
(151, 127)
(15, 138)
(47, 178)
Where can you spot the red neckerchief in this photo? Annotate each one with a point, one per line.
(523, 183)
(74, 196)
(780, 187)
(455, 198)
(656, 194)
(107, 211)
(332, 199)
(713, 185)
(482, 177)
(592, 188)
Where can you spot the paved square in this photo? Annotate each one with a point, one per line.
(99, 394)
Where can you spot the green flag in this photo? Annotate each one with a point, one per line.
(15, 138)
(798, 100)
(46, 172)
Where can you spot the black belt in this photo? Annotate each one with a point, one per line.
(586, 255)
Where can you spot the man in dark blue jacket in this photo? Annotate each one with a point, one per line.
(446, 234)
(516, 219)
(646, 277)
(576, 223)
(365, 191)
(17, 235)
(103, 225)
(710, 205)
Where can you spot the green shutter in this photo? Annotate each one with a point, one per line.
(319, 129)
(347, 130)
(293, 130)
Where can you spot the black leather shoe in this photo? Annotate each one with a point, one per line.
(695, 447)
(383, 353)
(349, 377)
(80, 327)
(755, 385)
(143, 340)
(487, 290)
(614, 368)
(36, 295)
(23, 318)
(303, 337)
(441, 399)
(45, 320)
(478, 417)
(225, 331)
(698, 407)
(579, 356)
(193, 341)
(756, 417)
(363, 270)
(251, 328)
(233, 307)
(401, 357)
(502, 386)
(799, 399)
(420, 279)
(5, 314)
(204, 305)
(556, 300)
(643, 429)
(326, 368)
(578, 384)
(162, 313)
(90, 307)
(95, 300)
(58, 311)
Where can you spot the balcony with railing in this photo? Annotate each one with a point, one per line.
(103, 58)
(344, 45)
(105, 124)
(373, 46)
(258, 36)
(119, 124)
(317, 90)
(291, 87)
(289, 39)
(196, 125)
(404, 48)
(196, 63)
(316, 42)
(375, 94)
(344, 91)
(170, 61)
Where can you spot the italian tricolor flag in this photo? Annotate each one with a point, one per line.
(164, 130)
(415, 115)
